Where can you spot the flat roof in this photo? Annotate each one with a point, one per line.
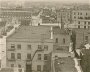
(31, 32)
(65, 64)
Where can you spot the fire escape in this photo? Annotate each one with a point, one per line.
(29, 62)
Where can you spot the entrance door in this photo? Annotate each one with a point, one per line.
(28, 68)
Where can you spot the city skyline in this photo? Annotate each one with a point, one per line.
(71, 1)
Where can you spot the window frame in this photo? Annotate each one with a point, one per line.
(45, 56)
(56, 40)
(18, 46)
(18, 55)
(12, 46)
(12, 65)
(39, 56)
(38, 67)
(46, 47)
(64, 41)
(12, 55)
(39, 47)
(29, 54)
(29, 47)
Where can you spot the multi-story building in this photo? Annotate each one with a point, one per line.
(81, 18)
(48, 16)
(64, 16)
(61, 39)
(22, 14)
(29, 48)
(81, 36)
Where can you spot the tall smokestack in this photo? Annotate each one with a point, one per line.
(62, 24)
(51, 32)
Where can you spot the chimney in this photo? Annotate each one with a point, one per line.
(51, 32)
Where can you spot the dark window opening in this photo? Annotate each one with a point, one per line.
(56, 40)
(38, 67)
(19, 46)
(63, 40)
(19, 56)
(45, 56)
(29, 56)
(12, 55)
(39, 56)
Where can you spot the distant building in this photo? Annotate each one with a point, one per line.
(29, 48)
(81, 18)
(18, 13)
(64, 16)
(48, 16)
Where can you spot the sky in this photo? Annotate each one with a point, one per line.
(80, 1)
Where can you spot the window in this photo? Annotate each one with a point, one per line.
(12, 65)
(79, 27)
(13, 46)
(86, 38)
(19, 66)
(74, 17)
(84, 22)
(46, 47)
(84, 27)
(88, 23)
(44, 68)
(56, 40)
(19, 46)
(29, 56)
(39, 47)
(45, 56)
(19, 70)
(80, 13)
(63, 40)
(86, 13)
(29, 46)
(39, 56)
(79, 22)
(12, 55)
(18, 55)
(38, 67)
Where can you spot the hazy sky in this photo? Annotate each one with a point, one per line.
(82, 1)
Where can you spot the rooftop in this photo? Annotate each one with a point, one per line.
(57, 30)
(6, 70)
(81, 30)
(31, 32)
(65, 64)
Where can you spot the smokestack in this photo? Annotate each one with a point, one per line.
(51, 32)
(62, 24)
